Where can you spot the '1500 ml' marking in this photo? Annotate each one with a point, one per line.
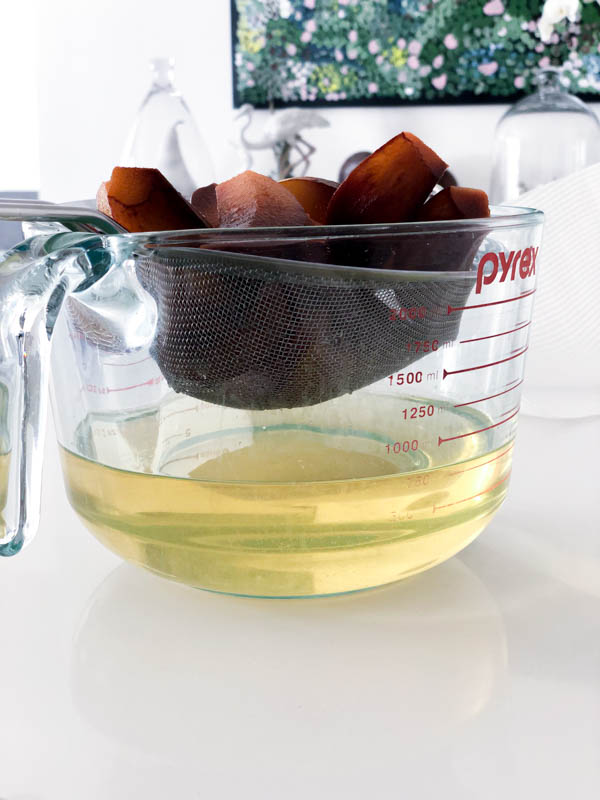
(524, 259)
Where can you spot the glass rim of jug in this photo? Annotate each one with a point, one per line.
(502, 217)
(509, 215)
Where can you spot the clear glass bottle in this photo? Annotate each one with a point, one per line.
(547, 135)
(165, 135)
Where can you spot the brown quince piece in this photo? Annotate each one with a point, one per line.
(204, 201)
(388, 186)
(313, 194)
(455, 202)
(142, 199)
(250, 200)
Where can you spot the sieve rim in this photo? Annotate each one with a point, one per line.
(169, 246)
(216, 259)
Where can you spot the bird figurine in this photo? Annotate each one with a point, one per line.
(281, 133)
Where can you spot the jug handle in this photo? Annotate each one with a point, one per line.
(35, 279)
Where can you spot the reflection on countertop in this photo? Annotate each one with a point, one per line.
(166, 668)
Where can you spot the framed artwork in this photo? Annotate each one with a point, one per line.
(356, 52)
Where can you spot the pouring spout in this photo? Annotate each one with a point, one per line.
(72, 217)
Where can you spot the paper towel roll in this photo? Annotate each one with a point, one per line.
(563, 364)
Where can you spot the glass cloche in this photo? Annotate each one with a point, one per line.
(545, 136)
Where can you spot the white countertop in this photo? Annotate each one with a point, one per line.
(478, 680)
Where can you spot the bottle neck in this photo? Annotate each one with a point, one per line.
(548, 82)
(163, 73)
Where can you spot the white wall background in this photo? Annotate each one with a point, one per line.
(93, 75)
(19, 140)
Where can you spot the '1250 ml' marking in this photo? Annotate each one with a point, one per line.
(524, 259)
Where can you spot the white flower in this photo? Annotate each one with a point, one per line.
(285, 9)
(546, 29)
(556, 10)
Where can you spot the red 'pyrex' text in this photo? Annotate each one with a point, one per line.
(506, 266)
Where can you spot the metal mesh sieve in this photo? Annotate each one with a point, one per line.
(254, 331)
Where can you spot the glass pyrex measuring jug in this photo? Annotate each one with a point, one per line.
(282, 412)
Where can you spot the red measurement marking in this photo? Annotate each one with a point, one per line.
(491, 396)
(494, 303)
(413, 312)
(481, 430)
(509, 411)
(149, 382)
(494, 335)
(483, 366)
(473, 497)
(460, 471)
(516, 380)
(129, 364)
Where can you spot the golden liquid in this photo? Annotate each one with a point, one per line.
(291, 512)
(4, 473)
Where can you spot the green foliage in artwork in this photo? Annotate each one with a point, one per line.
(354, 51)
